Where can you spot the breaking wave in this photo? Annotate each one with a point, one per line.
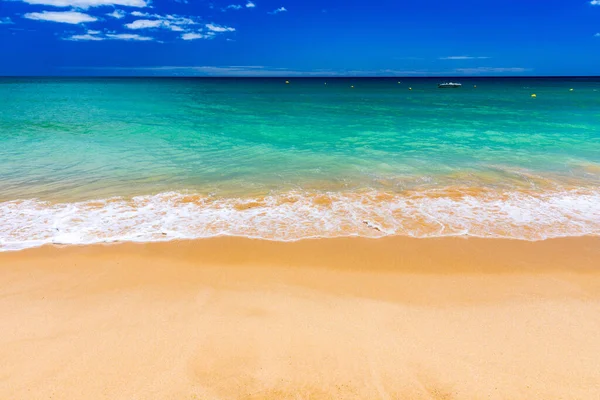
(299, 215)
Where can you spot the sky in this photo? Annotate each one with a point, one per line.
(299, 37)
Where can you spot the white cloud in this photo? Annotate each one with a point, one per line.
(257, 70)
(280, 9)
(144, 24)
(90, 35)
(5, 21)
(206, 70)
(195, 36)
(177, 19)
(128, 36)
(118, 14)
(248, 70)
(176, 23)
(67, 17)
(220, 29)
(98, 36)
(463, 58)
(249, 4)
(595, 2)
(89, 3)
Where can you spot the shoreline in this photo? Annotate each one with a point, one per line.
(551, 253)
(182, 241)
(344, 318)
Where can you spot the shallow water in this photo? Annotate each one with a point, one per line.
(89, 160)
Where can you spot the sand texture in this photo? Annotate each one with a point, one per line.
(232, 318)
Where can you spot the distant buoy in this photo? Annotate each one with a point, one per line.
(475, 86)
(326, 83)
(352, 86)
(399, 82)
(534, 95)
(409, 88)
(570, 90)
(287, 82)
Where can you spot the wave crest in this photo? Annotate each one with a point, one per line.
(299, 215)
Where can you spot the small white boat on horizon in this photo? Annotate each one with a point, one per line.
(447, 85)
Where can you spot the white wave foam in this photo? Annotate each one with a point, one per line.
(295, 215)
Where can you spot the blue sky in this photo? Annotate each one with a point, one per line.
(294, 37)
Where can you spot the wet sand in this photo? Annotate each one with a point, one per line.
(232, 318)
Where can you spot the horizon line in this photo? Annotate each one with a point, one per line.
(302, 77)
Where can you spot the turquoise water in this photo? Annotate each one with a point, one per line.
(86, 160)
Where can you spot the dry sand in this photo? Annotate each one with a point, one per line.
(233, 318)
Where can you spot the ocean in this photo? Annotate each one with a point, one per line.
(89, 160)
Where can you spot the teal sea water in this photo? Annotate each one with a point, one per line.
(144, 159)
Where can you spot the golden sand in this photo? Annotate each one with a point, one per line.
(232, 318)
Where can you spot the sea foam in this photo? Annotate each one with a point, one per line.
(299, 215)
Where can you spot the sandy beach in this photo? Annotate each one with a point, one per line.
(351, 318)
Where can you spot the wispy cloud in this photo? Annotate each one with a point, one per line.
(98, 36)
(463, 58)
(5, 20)
(595, 2)
(251, 70)
(173, 18)
(279, 10)
(491, 70)
(219, 28)
(196, 36)
(66, 17)
(89, 36)
(175, 23)
(118, 14)
(144, 24)
(212, 31)
(128, 36)
(89, 3)
(597, 34)
(236, 7)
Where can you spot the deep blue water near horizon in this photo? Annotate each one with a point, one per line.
(101, 159)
